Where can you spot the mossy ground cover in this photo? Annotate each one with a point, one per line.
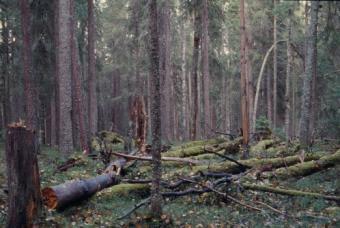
(104, 209)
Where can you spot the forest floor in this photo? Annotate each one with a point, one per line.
(206, 210)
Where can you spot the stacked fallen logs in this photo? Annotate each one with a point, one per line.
(199, 176)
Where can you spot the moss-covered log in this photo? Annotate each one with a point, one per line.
(106, 140)
(273, 162)
(230, 147)
(270, 148)
(289, 192)
(309, 167)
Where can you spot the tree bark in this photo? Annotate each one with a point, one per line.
(5, 70)
(275, 68)
(64, 78)
(288, 76)
(93, 109)
(31, 115)
(166, 82)
(306, 91)
(156, 198)
(194, 87)
(78, 109)
(184, 103)
(244, 95)
(205, 70)
(62, 195)
(24, 200)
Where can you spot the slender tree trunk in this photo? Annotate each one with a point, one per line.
(53, 122)
(249, 72)
(288, 76)
(314, 95)
(31, 115)
(306, 91)
(156, 198)
(244, 95)
(78, 109)
(24, 199)
(269, 95)
(194, 87)
(93, 106)
(184, 116)
(56, 79)
(275, 68)
(164, 58)
(205, 71)
(64, 78)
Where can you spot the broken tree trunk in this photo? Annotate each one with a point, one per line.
(24, 198)
(60, 196)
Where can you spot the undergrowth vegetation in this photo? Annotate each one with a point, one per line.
(104, 209)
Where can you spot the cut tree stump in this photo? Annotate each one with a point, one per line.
(24, 197)
(60, 196)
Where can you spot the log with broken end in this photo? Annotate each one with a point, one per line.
(62, 195)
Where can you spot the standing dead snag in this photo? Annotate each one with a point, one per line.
(139, 118)
(24, 198)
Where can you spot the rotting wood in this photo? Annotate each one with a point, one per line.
(24, 198)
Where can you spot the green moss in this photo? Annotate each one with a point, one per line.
(128, 190)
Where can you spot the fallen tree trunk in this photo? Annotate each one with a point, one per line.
(230, 147)
(289, 192)
(60, 196)
(149, 158)
(307, 168)
(230, 167)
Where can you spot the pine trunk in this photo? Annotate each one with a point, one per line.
(156, 198)
(164, 59)
(31, 116)
(287, 93)
(306, 91)
(244, 95)
(77, 94)
(194, 88)
(93, 109)
(64, 78)
(275, 68)
(205, 71)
